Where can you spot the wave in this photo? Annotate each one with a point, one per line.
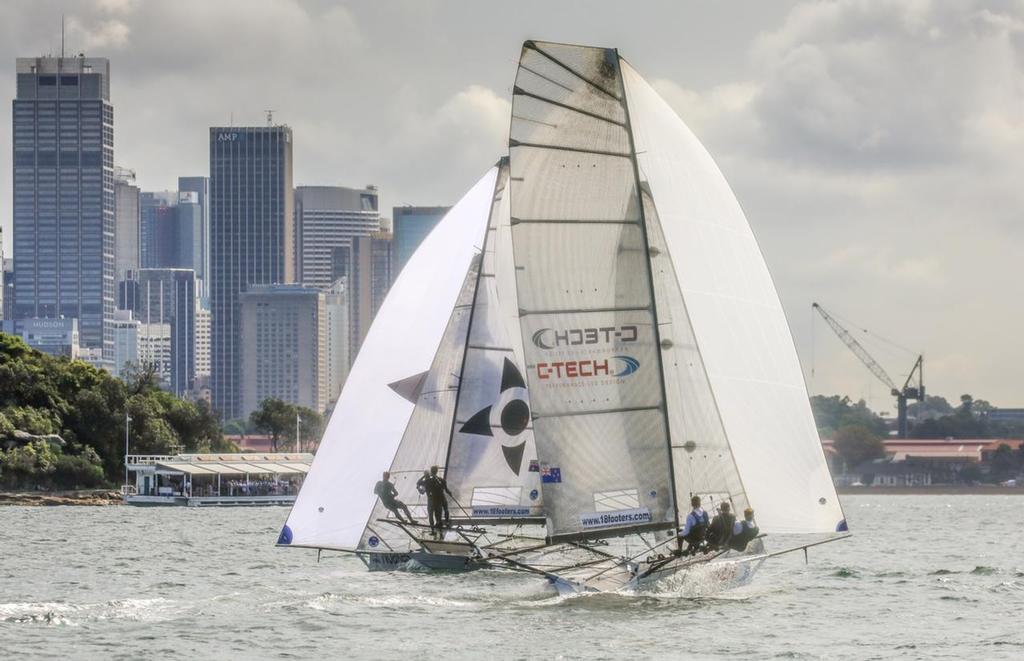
(60, 613)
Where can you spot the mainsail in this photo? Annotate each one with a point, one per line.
(659, 361)
(368, 422)
(587, 308)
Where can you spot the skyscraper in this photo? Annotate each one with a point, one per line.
(8, 279)
(64, 224)
(126, 215)
(252, 239)
(336, 346)
(366, 265)
(201, 187)
(188, 234)
(164, 303)
(326, 218)
(411, 225)
(157, 231)
(283, 346)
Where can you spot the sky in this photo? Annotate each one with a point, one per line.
(877, 147)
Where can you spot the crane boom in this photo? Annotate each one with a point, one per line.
(851, 342)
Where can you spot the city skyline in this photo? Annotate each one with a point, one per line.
(859, 168)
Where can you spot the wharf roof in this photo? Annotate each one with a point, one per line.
(901, 449)
(290, 463)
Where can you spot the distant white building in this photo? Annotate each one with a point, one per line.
(283, 338)
(202, 342)
(336, 311)
(58, 337)
(126, 341)
(155, 348)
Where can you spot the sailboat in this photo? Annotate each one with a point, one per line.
(590, 338)
(438, 382)
(659, 361)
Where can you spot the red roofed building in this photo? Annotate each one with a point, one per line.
(916, 461)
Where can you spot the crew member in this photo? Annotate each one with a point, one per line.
(388, 495)
(437, 504)
(696, 527)
(743, 531)
(720, 530)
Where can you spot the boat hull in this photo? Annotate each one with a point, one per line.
(683, 576)
(385, 561)
(445, 561)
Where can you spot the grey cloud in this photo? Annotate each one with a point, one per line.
(875, 146)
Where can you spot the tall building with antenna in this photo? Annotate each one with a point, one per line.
(252, 240)
(64, 203)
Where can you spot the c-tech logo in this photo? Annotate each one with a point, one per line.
(549, 338)
(616, 366)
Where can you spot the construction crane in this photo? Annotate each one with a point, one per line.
(902, 394)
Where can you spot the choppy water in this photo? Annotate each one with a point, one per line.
(923, 576)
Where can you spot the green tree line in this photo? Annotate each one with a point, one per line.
(45, 395)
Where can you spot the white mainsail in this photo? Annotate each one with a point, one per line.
(739, 327)
(370, 417)
(586, 303)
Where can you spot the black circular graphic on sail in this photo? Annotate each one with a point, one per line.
(512, 415)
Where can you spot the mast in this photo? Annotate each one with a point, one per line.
(654, 298)
(502, 166)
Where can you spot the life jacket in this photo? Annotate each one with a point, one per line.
(699, 528)
(748, 531)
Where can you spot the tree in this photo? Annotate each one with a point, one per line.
(1004, 464)
(274, 417)
(831, 413)
(857, 444)
(310, 427)
(931, 407)
(44, 394)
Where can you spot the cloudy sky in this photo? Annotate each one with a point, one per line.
(876, 147)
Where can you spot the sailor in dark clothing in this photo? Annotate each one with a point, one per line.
(696, 527)
(744, 531)
(437, 505)
(720, 530)
(388, 495)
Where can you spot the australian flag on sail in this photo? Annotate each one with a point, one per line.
(550, 474)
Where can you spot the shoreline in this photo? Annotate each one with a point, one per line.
(108, 497)
(933, 490)
(83, 497)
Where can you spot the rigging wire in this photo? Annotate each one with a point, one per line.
(858, 327)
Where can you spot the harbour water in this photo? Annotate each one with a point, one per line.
(923, 576)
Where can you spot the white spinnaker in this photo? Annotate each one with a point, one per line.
(369, 419)
(492, 443)
(425, 441)
(738, 322)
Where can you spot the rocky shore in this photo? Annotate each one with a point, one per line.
(47, 498)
